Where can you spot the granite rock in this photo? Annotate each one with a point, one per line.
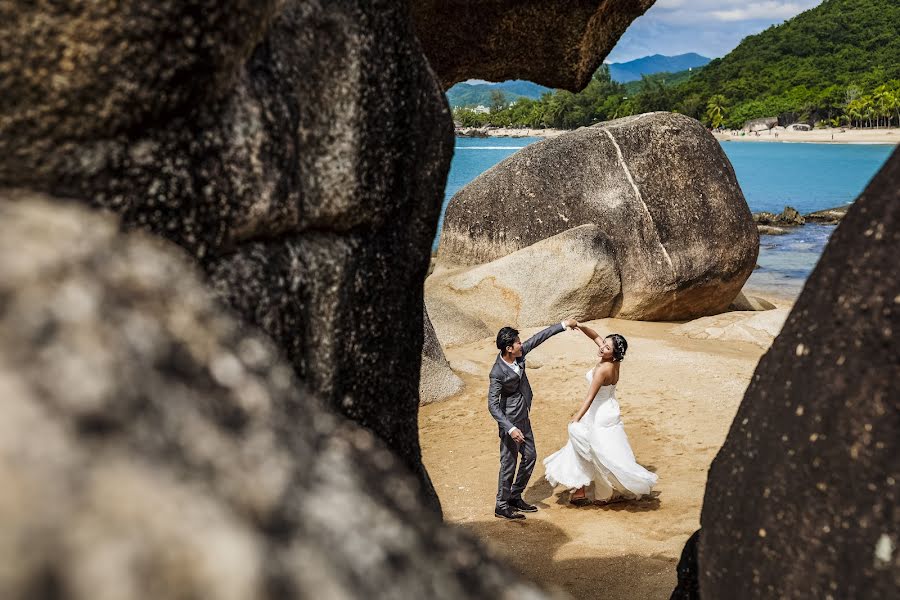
(801, 501)
(153, 446)
(658, 185)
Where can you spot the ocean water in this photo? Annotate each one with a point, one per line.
(772, 175)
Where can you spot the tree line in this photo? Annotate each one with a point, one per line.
(836, 65)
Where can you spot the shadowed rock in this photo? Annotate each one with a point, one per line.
(658, 185)
(572, 274)
(151, 446)
(297, 149)
(801, 501)
(555, 44)
(437, 381)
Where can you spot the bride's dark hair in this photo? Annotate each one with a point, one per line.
(620, 346)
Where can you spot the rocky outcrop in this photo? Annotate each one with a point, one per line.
(763, 124)
(752, 326)
(768, 223)
(657, 185)
(566, 42)
(437, 380)
(744, 302)
(297, 150)
(829, 216)
(801, 501)
(151, 446)
(572, 274)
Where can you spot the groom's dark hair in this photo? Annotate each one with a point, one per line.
(506, 337)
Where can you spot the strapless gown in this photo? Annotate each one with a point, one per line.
(598, 452)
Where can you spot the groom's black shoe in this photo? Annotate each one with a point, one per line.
(507, 513)
(521, 505)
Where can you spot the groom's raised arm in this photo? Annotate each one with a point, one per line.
(542, 336)
(494, 404)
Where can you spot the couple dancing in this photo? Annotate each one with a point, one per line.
(597, 451)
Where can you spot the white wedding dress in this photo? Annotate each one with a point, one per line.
(598, 451)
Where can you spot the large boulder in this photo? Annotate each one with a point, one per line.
(658, 185)
(297, 149)
(572, 274)
(151, 446)
(437, 380)
(565, 42)
(802, 499)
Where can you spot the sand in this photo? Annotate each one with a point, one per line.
(848, 136)
(678, 397)
(819, 136)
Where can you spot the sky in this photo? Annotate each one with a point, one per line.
(708, 27)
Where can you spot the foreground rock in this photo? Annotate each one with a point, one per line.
(572, 274)
(152, 447)
(470, 39)
(437, 381)
(258, 138)
(801, 501)
(657, 185)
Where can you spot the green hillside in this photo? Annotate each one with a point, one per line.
(806, 65)
(836, 64)
(669, 79)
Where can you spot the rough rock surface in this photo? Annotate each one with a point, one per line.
(151, 446)
(830, 216)
(789, 217)
(755, 327)
(297, 149)
(658, 185)
(572, 274)
(745, 302)
(802, 499)
(468, 39)
(437, 380)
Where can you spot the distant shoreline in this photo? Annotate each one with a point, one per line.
(817, 136)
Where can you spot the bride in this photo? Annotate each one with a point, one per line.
(598, 449)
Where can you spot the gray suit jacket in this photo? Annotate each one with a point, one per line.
(509, 395)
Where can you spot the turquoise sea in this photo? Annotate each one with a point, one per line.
(808, 177)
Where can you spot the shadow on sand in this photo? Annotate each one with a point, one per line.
(530, 546)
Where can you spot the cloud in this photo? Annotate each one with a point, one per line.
(709, 27)
(760, 10)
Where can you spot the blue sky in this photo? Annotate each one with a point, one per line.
(708, 27)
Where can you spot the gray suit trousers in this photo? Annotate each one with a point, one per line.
(512, 484)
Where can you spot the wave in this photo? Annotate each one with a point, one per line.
(489, 147)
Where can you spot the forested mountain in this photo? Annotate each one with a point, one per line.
(634, 70)
(668, 79)
(473, 94)
(836, 64)
(808, 65)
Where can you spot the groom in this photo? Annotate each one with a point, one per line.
(509, 400)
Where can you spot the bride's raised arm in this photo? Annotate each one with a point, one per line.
(591, 334)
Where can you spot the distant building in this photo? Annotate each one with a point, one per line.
(481, 109)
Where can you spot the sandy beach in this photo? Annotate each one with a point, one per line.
(678, 397)
(817, 136)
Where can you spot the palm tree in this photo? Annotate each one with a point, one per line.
(881, 100)
(715, 110)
